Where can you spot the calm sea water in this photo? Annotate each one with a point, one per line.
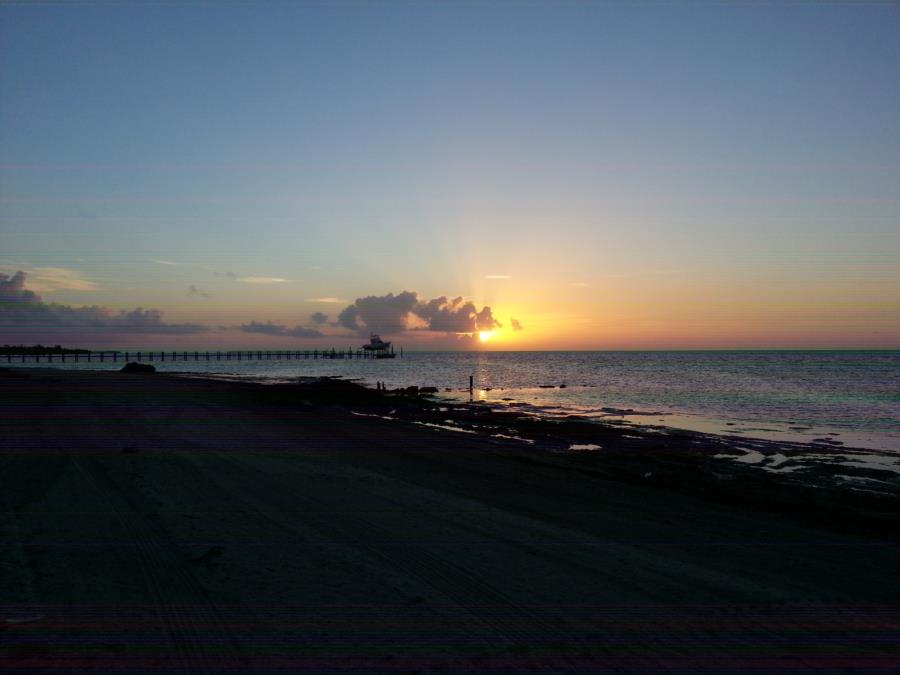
(849, 396)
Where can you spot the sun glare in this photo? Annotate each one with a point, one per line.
(485, 335)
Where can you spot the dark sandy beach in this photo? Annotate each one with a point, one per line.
(162, 524)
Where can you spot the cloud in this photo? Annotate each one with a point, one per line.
(12, 289)
(49, 279)
(270, 328)
(579, 284)
(22, 311)
(335, 301)
(390, 314)
(380, 314)
(318, 318)
(497, 276)
(163, 262)
(263, 280)
(145, 321)
(37, 317)
(194, 291)
(516, 325)
(455, 316)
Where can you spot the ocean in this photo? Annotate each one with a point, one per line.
(848, 397)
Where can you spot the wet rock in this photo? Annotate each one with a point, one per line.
(428, 390)
(135, 367)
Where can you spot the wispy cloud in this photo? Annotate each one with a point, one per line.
(498, 276)
(579, 284)
(516, 325)
(641, 273)
(263, 280)
(329, 300)
(194, 291)
(162, 262)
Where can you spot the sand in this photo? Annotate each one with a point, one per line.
(160, 524)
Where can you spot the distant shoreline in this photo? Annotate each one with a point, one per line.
(38, 350)
(18, 349)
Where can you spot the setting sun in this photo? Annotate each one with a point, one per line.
(485, 335)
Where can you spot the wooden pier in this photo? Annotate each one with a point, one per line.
(117, 356)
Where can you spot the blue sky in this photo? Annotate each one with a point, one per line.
(626, 165)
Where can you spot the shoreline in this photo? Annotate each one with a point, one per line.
(872, 427)
(719, 463)
(873, 469)
(181, 524)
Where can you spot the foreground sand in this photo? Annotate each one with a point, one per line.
(159, 524)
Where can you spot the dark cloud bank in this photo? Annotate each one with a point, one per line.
(23, 311)
(270, 328)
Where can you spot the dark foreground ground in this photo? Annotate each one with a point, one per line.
(152, 523)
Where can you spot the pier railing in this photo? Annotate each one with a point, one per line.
(116, 356)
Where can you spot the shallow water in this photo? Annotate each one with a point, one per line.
(841, 397)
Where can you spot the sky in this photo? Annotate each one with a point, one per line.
(491, 175)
